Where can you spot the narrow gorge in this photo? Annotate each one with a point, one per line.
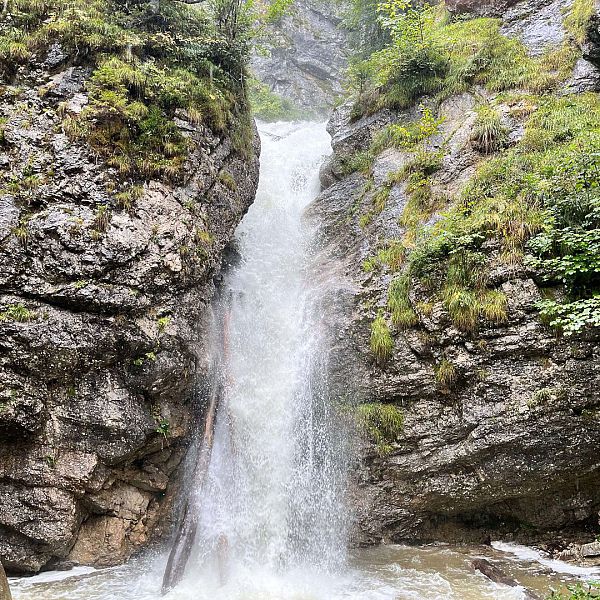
(387, 288)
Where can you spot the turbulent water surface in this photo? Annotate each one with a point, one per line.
(272, 522)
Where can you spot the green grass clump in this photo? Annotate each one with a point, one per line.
(18, 313)
(382, 343)
(578, 18)
(359, 162)
(399, 305)
(488, 134)
(383, 423)
(445, 373)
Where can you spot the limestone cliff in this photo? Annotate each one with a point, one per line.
(105, 282)
(304, 55)
(499, 424)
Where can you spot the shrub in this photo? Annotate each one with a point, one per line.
(540, 199)
(269, 106)
(580, 591)
(427, 54)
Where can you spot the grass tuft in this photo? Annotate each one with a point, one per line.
(382, 343)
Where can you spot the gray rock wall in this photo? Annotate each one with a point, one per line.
(510, 448)
(305, 54)
(103, 330)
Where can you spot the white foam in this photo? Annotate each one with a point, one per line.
(525, 553)
(50, 576)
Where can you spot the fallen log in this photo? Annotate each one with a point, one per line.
(498, 576)
(184, 541)
(4, 589)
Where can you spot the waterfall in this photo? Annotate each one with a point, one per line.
(270, 516)
(272, 501)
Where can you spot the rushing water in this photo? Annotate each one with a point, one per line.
(272, 522)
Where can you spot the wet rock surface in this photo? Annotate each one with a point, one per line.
(305, 55)
(103, 328)
(509, 448)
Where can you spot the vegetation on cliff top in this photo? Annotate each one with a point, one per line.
(148, 64)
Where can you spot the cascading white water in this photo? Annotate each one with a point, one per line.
(273, 501)
(272, 524)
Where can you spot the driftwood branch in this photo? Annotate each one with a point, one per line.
(4, 589)
(498, 576)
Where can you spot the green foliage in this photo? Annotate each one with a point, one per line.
(578, 18)
(269, 106)
(148, 66)
(163, 427)
(580, 591)
(429, 55)
(399, 305)
(127, 197)
(409, 135)
(445, 373)
(163, 323)
(278, 9)
(542, 198)
(101, 218)
(18, 313)
(571, 317)
(545, 395)
(382, 343)
(488, 134)
(383, 423)
(228, 181)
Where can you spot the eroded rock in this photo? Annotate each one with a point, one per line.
(103, 329)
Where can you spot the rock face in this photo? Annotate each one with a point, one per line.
(509, 448)
(103, 328)
(483, 8)
(305, 55)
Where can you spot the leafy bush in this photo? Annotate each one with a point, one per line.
(429, 55)
(268, 106)
(580, 591)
